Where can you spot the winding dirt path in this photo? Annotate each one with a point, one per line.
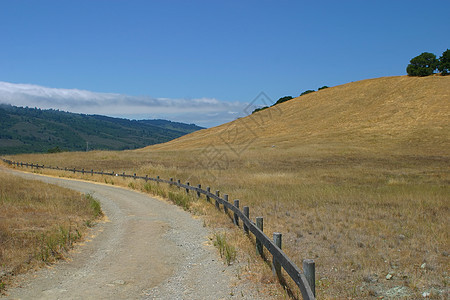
(147, 249)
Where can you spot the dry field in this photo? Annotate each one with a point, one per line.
(39, 222)
(355, 177)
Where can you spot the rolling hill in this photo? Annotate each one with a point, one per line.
(355, 176)
(27, 130)
(390, 114)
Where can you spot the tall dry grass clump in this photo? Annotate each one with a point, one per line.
(39, 223)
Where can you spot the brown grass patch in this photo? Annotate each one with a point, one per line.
(39, 222)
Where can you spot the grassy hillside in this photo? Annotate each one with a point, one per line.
(356, 177)
(407, 115)
(25, 130)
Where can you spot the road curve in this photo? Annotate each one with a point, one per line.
(147, 249)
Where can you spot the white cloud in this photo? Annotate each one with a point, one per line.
(201, 111)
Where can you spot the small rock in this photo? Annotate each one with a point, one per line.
(426, 294)
(423, 266)
(389, 276)
(401, 237)
(444, 253)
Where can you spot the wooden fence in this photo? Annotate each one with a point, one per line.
(304, 280)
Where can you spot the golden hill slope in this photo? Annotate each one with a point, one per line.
(408, 115)
(355, 176)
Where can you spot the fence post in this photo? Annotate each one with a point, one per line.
(92, 172)
(171, 180)
(198, 190)
(73, 170)
(82, 171)
(247, 214)
(187, 189)
(217, 201)
(146, 178)
(309, 269)
(208, 189)
(134, 175)
(123, 174)
(225, 208)
(276, 267)
(236, 218)
(178, 183)
(259, 245)
(157, 180)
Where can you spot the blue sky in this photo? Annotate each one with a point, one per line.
(215, 55)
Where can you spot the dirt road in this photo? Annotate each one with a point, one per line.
(147, 249)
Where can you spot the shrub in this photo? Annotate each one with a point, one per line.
(283, 99)
(307, 92)
(259, 109)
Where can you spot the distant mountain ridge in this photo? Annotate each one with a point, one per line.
(27, 130)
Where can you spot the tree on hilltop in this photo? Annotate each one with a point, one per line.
(444, 63)
(307, 92)
(283, 99)
(422, 65)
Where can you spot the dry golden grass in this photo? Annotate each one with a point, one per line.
(39, 223)
(355, 176)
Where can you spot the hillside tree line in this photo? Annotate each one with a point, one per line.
(427, 63)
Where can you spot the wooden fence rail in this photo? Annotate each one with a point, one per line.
(304, 280)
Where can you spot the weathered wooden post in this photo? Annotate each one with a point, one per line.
(73, 170)
(123, 174)
(146, 178)
(82, 171)
(187, 189)
(92, 172)
(178, 183)
(134, 175)
(259, 245)
(247, 214)
(217, 201)
(236, 218)
(276, 267)
(171, 180)
(225, 208)
(199, 187)
(309, 269)
(157, 180)
(208, 189)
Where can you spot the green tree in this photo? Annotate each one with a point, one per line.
(321, 88)
(444, 63)
(307, 92)
(283, 99)
(422, 65)
(260, 109)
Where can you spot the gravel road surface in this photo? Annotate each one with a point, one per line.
(145, 249)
